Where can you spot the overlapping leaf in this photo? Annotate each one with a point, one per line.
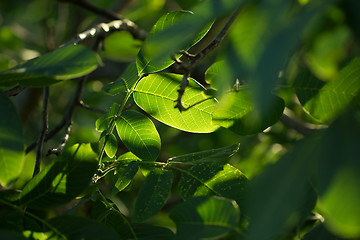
(139, 135)
(156, 94)
(212, 155)
(215, 178)
(125, 176)
(62, 64)
(323, 100)
(149, 59)
(205, 217)
(153, 194)
(62, 180)
(11, 142)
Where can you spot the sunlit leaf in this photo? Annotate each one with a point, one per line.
(11, 142)
(211, 155)
(139, 135)
(153, 194)
(237, 111)
(111, 145)
(205, 217)
(62, 64)
(156, 94)
(324, 101)
(62, 180)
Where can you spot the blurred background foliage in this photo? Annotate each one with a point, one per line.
(32, 28)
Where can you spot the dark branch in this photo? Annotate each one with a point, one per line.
(13, 91)
(44, 129)
(303, 128)
(87, 107)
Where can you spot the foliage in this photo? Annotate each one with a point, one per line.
(212, 119)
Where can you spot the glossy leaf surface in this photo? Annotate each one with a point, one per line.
(62, 64)
(156, 94)
(11, 142)
(139, 135)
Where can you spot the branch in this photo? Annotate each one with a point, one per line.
(44, 129)
(303, 128)
(87, 107)
(13, 91)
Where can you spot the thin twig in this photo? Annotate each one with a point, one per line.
(92, 8)
(92, 109)
(44, 129)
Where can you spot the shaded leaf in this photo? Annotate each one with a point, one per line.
(139, 135)
(149, 60)
(156, 94)
(153, 194)
(215, 178)
(125, 176)
(324, 101)
(151, 232)
(205, 217)
(211, 155)
(74, 227)
(62, 64)
(125, 82)
(62, 180)
(11, 142)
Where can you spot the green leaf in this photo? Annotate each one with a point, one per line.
(324, 101)
(62, 64)
(156, 94)
(124, 52)
(125, 82)
(338, 175)
(153, 194)
(149, 60)
(102, 123)
(211, 155)
(205, 217)
(74, 227)
(151, 232)
(9, 235)
(139, 135)
(215, 178)
(125, 177)
(111, 145)
(280, 197)
(237, 112)
(62, 180)
(128, 157)
(11, 142)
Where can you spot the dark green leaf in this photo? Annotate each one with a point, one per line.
(151, 232)
(205, 217)
(125, 177)
(125, 82)
(149, 60)
(212, 155)
(139, 135)
(62, 64)
(153, 194)
(9, 235)
(156, 94)
(74, 227)
(11, 142)
(280, 197)
(324, 101)
(338, 175)
(208, 179)
(62, 180)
